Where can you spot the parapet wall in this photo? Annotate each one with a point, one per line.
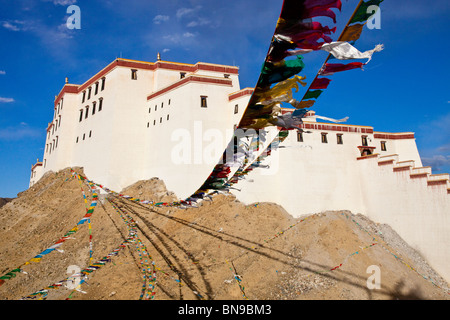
(413, 201)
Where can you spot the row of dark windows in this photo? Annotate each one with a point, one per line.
(97, 86)
(84, 136)
(160, 121)
(203, 104)
(339, 139)
(156, 106)
(94, 109)
(51, 145)
(58, 108)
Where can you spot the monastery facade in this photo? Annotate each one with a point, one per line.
(136, 120)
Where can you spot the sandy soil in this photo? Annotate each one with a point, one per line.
(223, 250)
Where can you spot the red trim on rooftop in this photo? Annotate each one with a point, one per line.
(393, 136)
(146, 66)
(36, 165)
(332, 127)
(241, 93)
(190, 78)
(68, 88)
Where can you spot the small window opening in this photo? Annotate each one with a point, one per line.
(133, 74)
(203, 102)
(364, 140)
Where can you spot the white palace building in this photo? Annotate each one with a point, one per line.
(136, 120)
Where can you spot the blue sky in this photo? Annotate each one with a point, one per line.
(404, 88)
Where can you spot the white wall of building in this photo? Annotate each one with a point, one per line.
(310, 176)
(155, 126)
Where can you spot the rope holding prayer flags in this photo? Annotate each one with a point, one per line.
(343, 50)
(295, 34)
(58, 243)
(363, 13)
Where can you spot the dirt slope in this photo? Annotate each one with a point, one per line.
(222, 250)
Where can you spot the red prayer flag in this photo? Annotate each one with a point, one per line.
(331, 68)
(320, 83)
(324, 3)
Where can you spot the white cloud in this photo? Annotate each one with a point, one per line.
(198, 22)
(10, 26)
(19, 132)
(62, 2)
(166, 50)
(6, 100)
(186, 11)
(160, 18)
(178, 38)
(2, 72)
(437, 162)
(16, 25)
(188, 35)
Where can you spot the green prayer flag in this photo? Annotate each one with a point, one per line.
(361, 14)
(277, 72)
(313, 94)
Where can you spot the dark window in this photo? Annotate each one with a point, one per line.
(84, 136)
(167, 117)
(226, 76)
(81, 114)
(203, 102)
(169, 102)
(96, 87)
(89, 92)
(162, 105)
(364, 140)
(156, 107)
(148, 124)
(84, 97)
(100, 104)
(87, 112)
(59, 123)
(154, 122)
(90, 133)
(133, 74)
(77, 139)
(160, 120)
(324, 137)
(182, 75)
(383, 146)
(103, 83)
(300, 136)
(236, 109)
(339, 139)
(93, 107)
(149, 110)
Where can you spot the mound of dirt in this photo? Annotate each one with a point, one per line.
(4, 201)
(222, 250)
